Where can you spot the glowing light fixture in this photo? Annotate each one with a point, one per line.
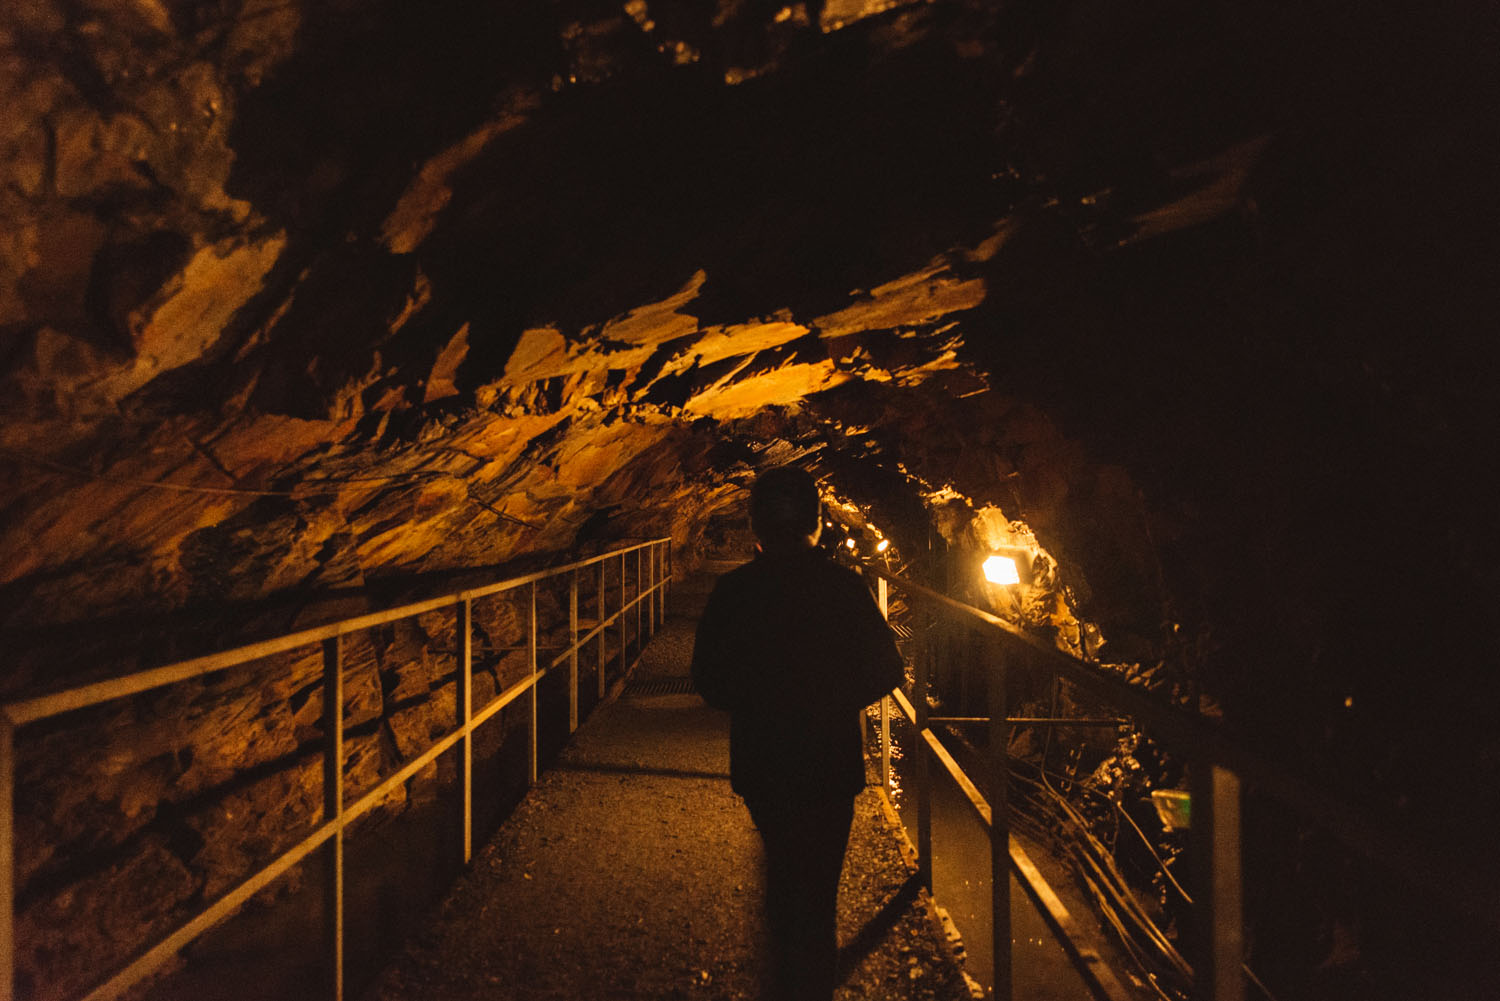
(1001, 570)
(882, 545)
(849, 543)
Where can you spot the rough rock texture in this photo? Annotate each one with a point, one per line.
(305, 349)
(307, 306)
(134, 814)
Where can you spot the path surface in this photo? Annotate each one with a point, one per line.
(631, 871)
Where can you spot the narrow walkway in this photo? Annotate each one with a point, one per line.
(631, 871)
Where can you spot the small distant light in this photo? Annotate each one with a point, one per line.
(882, 545)
(1348, 702)
(849, 543)
(1001, 570)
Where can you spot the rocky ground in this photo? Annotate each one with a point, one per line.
(632, 871)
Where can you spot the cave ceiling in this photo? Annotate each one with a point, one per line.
(308, 299)
(299, 298)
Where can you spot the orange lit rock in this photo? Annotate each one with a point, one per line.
(653, 323)
(190, 314)
(541, 353)
(416, 213)
(440, 384)
(787, 384)
(910, 301)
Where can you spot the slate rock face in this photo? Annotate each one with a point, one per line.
(291, 318)
(132, 815)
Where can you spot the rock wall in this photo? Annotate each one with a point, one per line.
(134, 815)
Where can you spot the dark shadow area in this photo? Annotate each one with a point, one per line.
(857, 949)
(357, 72)
(396, 869)
(1301, 388)
(602, 768)
(788, 191)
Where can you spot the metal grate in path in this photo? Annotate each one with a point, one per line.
(660, 686)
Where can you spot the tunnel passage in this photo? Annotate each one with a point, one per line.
(308, 308)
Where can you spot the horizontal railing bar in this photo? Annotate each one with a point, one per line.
(592, 634)
(563, 652)
(539, 575)
(1175, 725)
(44, 706)
(977, 802)
(30, 710)
(221, 908)
(1089, 963)
(904, 704)
(504, 699)
(1353, 826)
(164, 950)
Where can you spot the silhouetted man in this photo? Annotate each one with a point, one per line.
(793, 645)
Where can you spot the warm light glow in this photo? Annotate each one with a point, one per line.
(883, 545)
(849, 543)
(1001, 570)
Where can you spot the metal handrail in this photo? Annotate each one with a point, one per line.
(1223, 765)
(653, 577)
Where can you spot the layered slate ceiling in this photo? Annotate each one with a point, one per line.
(300, 298)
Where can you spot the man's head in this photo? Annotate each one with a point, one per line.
(784, 508)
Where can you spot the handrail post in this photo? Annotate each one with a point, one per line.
(1218, 910)
(650, 555)
(7, 858)
(656, 599)
(883, 598)
(602, 631)
(333, 804)
(624, 663)
(639, 596)
(573, 652)
(999, 739)
(531, 771)
(465, 694)
(919, 760)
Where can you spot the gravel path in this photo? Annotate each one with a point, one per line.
(631, 871)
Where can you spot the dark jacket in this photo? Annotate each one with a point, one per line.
(794, 646)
